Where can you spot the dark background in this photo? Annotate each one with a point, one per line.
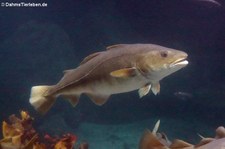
(37, 44)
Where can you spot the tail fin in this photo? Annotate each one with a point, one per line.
(38, 99)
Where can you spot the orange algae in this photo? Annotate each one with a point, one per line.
(19, 133)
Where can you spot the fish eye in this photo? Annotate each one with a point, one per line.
(164, 54)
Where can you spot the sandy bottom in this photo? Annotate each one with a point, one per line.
(127, 135)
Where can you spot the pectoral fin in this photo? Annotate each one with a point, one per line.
(144, 90)
(155, 88)
(98, 99)
(124, 73)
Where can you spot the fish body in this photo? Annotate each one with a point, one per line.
(183, 95)
(121, 68)
(211, 1)
(156, 140)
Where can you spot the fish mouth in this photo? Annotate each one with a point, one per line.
(179, 62)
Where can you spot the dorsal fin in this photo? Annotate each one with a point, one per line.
(67, 71)
(205, 141)
(89, 57)
(156, 128)
(115, 46)
(179, 144)
(150, 141)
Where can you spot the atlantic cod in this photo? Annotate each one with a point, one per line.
(121, 68)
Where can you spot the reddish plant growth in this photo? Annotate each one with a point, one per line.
(19, 133)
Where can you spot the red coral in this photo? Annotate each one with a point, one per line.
(67, 141)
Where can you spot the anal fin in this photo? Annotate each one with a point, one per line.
(98, 99)
(73, 99)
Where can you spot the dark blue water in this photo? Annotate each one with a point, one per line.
(37, 44)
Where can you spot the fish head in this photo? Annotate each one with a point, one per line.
(159, 63)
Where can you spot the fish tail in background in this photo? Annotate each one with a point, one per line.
(39, 100)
